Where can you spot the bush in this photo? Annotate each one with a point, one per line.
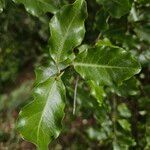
(91, 72)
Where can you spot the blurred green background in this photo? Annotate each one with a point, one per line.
(23, 46)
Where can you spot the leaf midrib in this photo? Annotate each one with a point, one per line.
(66, 35)
(99, 66)
(40, 122)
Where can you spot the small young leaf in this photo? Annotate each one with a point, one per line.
(40, 121)
(116, 8)
(125, 124)
(67, 30)
(97, 92)
(106, 64)
(124, 111)
(44, 73)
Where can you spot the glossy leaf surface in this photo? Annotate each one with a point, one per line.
(67, 30)
(40, 121)
(106, 64)
(44, 73)
(40, 7)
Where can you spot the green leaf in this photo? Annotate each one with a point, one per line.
(67, 30)
(125, 124)
(128, 88)
(106, 64)
(40, 121)
(40, 7)
(124, 111)
(143, 1)
(97, 92)
(2, 5)
(96, 134)
(116, 8)
(101, 20)
(143, 32)
(43, 73)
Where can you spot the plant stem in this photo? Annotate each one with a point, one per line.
(114, 116)
(75, 95)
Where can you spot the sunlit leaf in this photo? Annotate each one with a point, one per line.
(106, 64)
(40, 121)
(67, 30)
